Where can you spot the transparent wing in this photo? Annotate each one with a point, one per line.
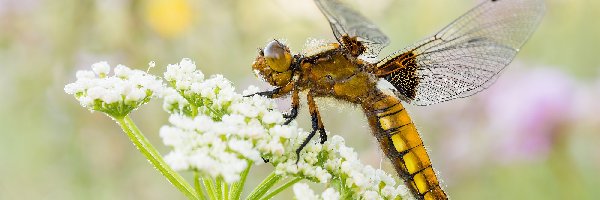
(346, 21)
(466, 56)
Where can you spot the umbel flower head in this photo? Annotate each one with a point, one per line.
(215, 130)
(218, 132)
(115, 95)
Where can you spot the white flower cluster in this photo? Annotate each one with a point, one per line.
(303, 192)
(337, 163)
(215, 130)
(116, 95)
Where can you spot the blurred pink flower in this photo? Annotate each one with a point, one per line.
(526, 109)
(517, 119)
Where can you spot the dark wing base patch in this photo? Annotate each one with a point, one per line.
(401, 72)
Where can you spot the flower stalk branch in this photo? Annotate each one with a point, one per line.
(210, 188)
(281, 188)
(238, 186)
(198, 187)
(143, 145)
(264, 186)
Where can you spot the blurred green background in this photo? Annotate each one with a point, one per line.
(533, 135)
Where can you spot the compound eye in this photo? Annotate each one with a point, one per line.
(277, 56)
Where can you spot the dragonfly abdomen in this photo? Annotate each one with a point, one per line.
(400, 141)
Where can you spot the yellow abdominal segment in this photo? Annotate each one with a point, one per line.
(402, 144)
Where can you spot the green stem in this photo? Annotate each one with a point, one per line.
(198, 187)
(339, 186)
(264, 186)
(210, 188)
(238, 187)
(225, 191)
(280, 188)
(219, 189)
(194, 110)
(144, 146)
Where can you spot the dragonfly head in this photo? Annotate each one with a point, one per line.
(273, 64)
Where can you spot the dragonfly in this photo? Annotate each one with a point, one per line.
(460, 60)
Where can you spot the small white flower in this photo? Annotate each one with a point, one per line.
(122, 71)
(251, 90)
(303, 192)
(245, 109)
(183, 75)
(176, 160)
(285, 132)
(330, 194)
(245, 148)
(322, 175)
(273, 117)
(371, 195)
(135, 94)
(113, 96)
(174, 103)
(101, 68)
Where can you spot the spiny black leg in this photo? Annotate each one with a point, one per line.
(322, 135)
(289, 117)
(316, 118)
(294, 111)
(265, 160)
(317, 124)
(304, 143)
(277, 92)
(268, 94)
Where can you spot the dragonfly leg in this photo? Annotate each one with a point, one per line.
(295, 105)
(275, 93)
(317, 125)
(266, 160)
